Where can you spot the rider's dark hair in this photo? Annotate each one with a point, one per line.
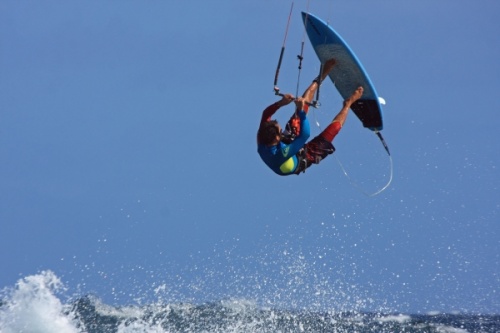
(268, 132)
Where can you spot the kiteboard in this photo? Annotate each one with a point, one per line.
(348, 73)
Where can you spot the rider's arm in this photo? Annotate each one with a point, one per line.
(271, 109)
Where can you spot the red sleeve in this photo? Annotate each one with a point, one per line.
(268, 112)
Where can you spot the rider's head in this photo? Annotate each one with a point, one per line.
(270, 133)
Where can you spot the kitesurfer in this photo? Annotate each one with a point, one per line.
(287, 152)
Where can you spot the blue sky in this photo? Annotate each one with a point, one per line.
(127, 136)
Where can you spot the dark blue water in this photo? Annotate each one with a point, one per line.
(241, 316)
(37, 304)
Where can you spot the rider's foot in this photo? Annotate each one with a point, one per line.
(354, 97)
(325, 70)
(328, 66)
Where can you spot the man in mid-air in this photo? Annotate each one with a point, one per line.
(288, 153)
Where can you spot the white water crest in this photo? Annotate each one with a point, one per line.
(37, 304)
(33, 307)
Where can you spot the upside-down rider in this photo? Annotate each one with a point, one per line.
(289, 153)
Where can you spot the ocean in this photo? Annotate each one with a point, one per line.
(37, 303)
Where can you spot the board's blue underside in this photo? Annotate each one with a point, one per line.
(348, 73)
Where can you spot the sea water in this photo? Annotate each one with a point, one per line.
(38, 303)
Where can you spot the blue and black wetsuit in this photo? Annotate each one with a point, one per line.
(295, 157)
(282, 158)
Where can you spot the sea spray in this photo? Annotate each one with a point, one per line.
(32, 306)
(37, 304)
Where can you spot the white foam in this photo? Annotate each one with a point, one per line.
(396, 318)
(32, 306)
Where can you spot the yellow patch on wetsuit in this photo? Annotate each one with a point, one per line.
(288, 166)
